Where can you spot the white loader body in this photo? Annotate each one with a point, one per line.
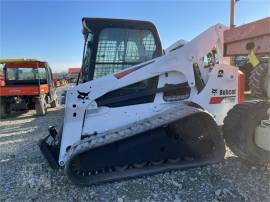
(220, 93)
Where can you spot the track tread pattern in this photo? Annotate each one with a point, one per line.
(257, 80)
(97, 140)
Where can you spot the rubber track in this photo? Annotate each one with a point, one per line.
(100, 139)
(174, 113)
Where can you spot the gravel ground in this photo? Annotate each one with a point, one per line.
(25, 176)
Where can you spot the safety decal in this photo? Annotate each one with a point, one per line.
(220, 73)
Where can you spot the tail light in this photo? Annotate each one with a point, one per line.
(241, 86)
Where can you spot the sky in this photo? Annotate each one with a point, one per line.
(51, 30)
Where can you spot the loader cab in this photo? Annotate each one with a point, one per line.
(112, 45)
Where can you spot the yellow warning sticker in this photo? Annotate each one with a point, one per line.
(253, 59)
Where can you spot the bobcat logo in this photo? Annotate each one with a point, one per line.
(83, 95)
(214, 91)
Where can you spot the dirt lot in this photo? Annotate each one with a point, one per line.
(24, 174)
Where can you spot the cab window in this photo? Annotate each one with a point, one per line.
(119, 48)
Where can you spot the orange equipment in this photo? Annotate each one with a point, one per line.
(26, 83)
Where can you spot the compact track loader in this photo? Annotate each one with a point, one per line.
(159, 115)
